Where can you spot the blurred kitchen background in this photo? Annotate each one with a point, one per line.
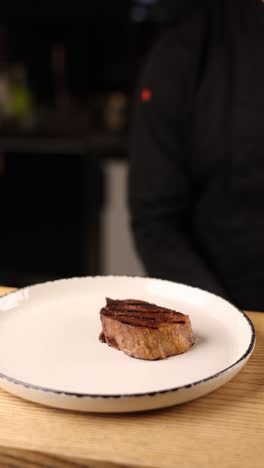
(66, 86)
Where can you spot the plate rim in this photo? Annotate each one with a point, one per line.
(56, 392)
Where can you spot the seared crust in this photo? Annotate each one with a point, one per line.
(144, 330)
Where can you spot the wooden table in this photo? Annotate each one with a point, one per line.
(224, 429)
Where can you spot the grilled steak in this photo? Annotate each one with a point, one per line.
(144, 330)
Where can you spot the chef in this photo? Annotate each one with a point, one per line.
(196, 180)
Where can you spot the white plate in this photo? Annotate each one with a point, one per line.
(50, 352)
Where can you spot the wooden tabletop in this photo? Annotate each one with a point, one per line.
(223, 429)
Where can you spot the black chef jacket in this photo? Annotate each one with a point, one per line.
(196, 180)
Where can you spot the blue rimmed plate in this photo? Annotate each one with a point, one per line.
(50, 352)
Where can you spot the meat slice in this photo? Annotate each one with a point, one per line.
(144, 330)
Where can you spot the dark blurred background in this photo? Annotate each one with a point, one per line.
(66, 86)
